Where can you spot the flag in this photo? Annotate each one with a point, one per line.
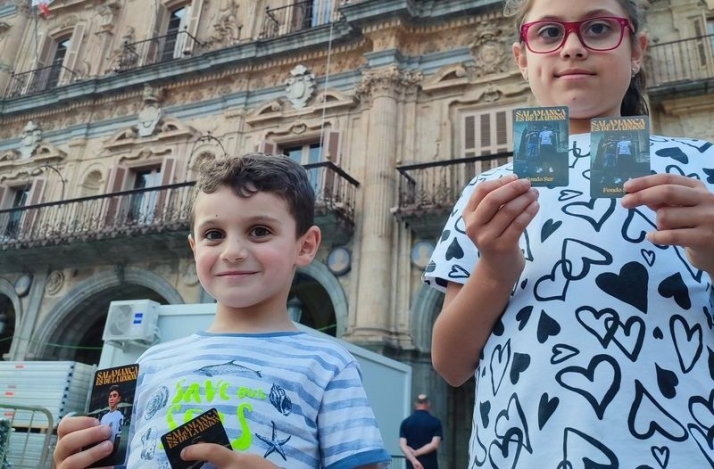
(43, 6)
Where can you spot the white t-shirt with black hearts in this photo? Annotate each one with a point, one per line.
(605, 352)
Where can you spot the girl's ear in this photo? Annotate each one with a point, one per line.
(519, 56)
(639, 48)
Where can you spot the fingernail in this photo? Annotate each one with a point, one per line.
(107, 446)
(106, 430)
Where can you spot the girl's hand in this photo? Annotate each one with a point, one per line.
(685, 214)
(224, 458)
(75, 433)
(496, 216)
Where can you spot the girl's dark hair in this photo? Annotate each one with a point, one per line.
(634, 102)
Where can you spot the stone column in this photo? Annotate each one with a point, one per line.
(10, 37)
(384, 88)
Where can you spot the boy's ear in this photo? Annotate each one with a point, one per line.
(192, 243)
(309, 244)
(519, 56)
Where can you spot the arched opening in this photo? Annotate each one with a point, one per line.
(310, 303)
(7, 324)
(81, 339)
(91, 185)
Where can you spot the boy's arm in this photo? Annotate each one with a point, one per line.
(75, 433)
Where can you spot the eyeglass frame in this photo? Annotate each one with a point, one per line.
(574, 26)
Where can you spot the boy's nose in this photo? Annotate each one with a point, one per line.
(234, 250)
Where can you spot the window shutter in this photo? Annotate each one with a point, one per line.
(331, 142)
(5, 193)
(164, 199)
(194, 18)
(493, 135)
(268, 147)
(115, 183)
(37, 191)
(160, 24)
(44, 59)
(70, 60)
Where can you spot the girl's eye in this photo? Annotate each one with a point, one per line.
(550, 32)
(213, 235)
(599, 28)
(260, 232)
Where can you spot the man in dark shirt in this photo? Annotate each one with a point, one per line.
(420, 436)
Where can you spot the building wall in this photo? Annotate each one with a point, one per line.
(397, 90)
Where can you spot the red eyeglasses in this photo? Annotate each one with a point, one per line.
(598, 34)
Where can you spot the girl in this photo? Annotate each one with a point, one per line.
(586, 322)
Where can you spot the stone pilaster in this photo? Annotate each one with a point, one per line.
(383, 89)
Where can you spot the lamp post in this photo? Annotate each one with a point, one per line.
(57, 171)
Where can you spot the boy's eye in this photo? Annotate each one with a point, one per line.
(213, 235)
(260, 231)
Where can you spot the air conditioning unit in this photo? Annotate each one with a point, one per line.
(131, 322)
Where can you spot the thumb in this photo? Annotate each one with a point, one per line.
(217, 455)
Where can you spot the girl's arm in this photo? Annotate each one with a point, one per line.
(496, 216)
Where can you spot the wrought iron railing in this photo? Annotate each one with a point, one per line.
(681, 61)
(335, 190)
(156, 50)
(96, 217)
(38, 80)
(438, 184)
(149, 210)
(297, 17)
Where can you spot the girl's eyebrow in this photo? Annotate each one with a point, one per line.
(589, 14)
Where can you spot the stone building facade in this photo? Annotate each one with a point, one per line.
(107, 108)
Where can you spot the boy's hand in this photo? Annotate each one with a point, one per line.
(75, 433)
(495, 217)
(685, 214)
(224, 458)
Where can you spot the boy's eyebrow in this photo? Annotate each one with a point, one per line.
(252, 220)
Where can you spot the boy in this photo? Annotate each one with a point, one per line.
(287, 399)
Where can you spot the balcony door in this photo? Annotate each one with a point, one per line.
(143, 204)
(19, 198)
(175, 38)
(306, 154)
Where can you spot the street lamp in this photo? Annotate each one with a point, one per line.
(62, 180)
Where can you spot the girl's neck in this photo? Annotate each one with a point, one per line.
(579, 126)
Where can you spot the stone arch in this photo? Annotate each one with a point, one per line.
(323, 276)
(426, 306)
(91, 184)
(68, 308)
(8, 290)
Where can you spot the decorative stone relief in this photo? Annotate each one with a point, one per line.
(107, 15)
(489, 49)
(55, 282)
(121, 59)
(151, 114)
(226, 29)
(300, 86)
(31, 140)
(388, 80)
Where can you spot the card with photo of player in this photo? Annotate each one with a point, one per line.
(540, 145)
(206, 428)
(112, 402)
(619, 151)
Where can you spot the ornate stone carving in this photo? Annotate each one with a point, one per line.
(490, 50)
(107, 15)
(121, 58)
(151, 114)
(226, 29)
(32, 136)
(300, 86)
(388, 80)
(55, 282)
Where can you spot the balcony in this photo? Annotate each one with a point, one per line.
(428, 191)
(142, 224)
(297, 17)
(681, 68)
(159, 49)
(39, 80)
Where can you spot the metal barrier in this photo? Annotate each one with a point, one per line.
(31, 436)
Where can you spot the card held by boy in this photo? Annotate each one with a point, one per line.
(206, 428)
(112, 402)
(540, 145)
(619, 151)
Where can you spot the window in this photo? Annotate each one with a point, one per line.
(710, 33)
(144, 203)
(175, 38)
(57, 61)
(487, 132)
(18, 197)
(319, 11)
(306, 154)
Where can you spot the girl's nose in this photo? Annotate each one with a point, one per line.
(573, 46)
